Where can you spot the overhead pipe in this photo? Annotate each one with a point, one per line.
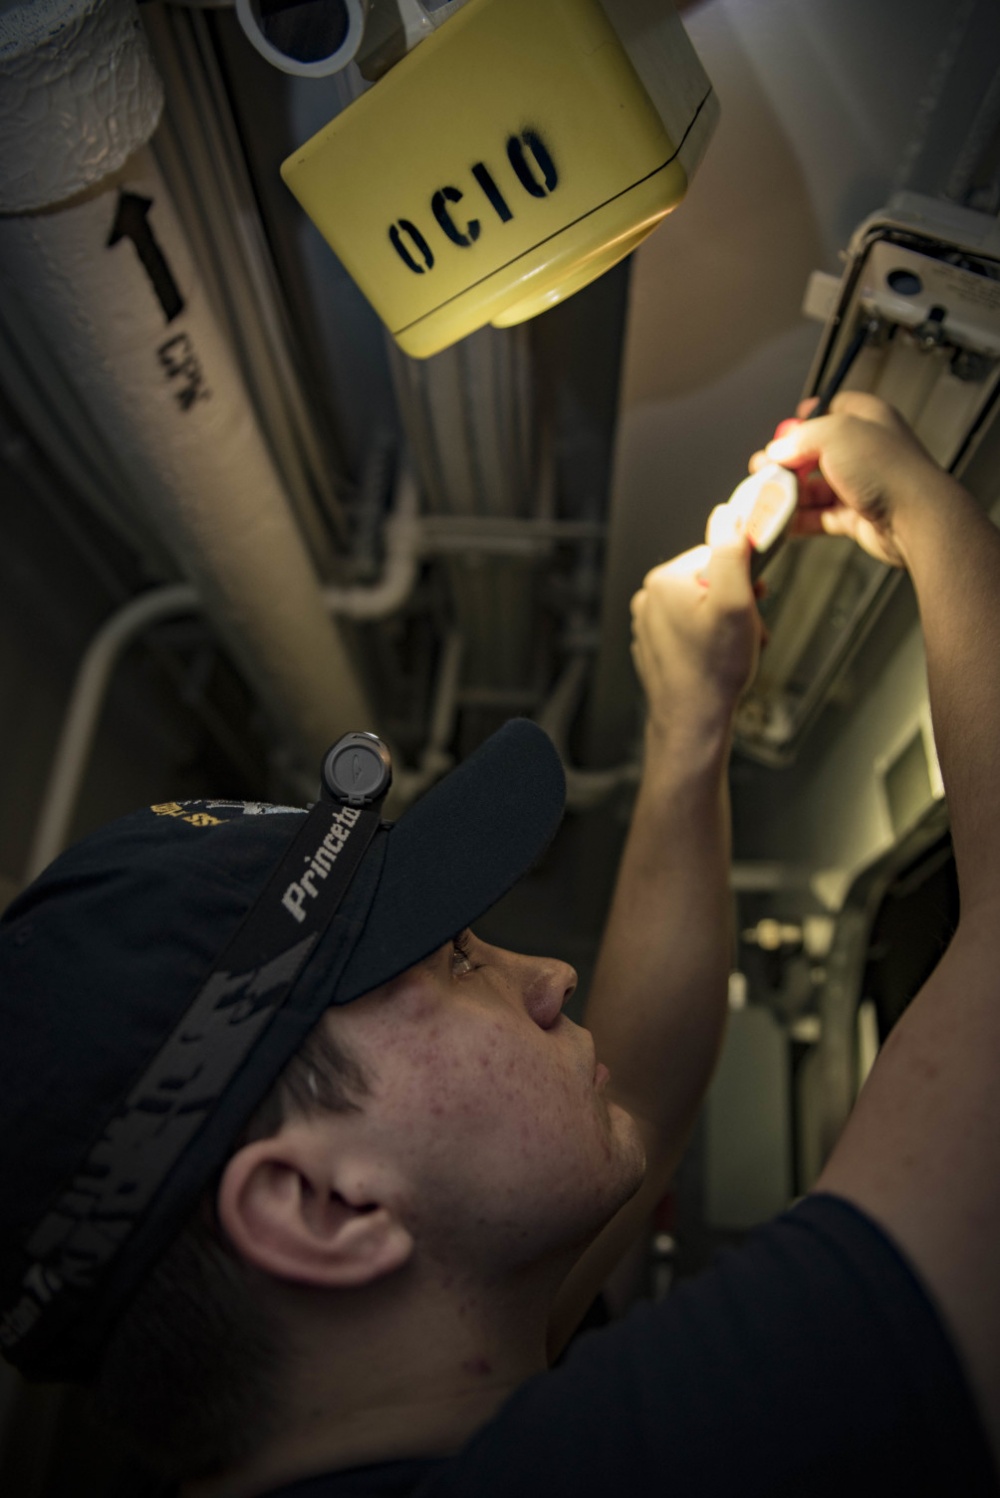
(92, 248)
(407, 539)
(90, 690)
(105, 651)
(584, 788)
(435, 758)
(403, 543)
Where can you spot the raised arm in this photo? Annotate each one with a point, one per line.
(657, 1004)
(921, 1150)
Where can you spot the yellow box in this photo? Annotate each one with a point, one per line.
(510, 159)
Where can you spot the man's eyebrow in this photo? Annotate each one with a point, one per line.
(441, 953)
(444, 951)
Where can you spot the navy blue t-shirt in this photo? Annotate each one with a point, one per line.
(810, 1363)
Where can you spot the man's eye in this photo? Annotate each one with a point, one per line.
(461, 957)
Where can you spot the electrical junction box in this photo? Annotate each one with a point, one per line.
(928, 271)
(512, 157)
(924, 274)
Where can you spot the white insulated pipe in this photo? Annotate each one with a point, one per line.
(90, 689)
(405, 542)
(435, 758)
(91, 247)
(584, 788)
(116, 634)
(403, 536)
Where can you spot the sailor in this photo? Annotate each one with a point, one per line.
(314, 1205)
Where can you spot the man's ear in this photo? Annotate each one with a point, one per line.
(285, 1205)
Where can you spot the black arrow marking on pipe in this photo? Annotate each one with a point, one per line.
(132, 223)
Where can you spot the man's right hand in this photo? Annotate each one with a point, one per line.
(872, 478)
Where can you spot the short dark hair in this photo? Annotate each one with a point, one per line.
(191, 1376)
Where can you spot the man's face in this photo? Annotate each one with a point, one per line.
(491, 1106)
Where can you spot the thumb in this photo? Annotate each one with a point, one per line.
(728, 570)
(800, 442)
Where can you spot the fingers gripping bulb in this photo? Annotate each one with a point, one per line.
(763, 506)
(726, 527)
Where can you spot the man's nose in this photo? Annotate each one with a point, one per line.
(551, 985)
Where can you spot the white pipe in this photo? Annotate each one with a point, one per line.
(86, 701)
(93, 677)
(277, 45)
(108, 286)
(402, 554)
(79, 93)
(90, 689)
(446, 696)
(584, 788)
(407, 539)
(435, 760)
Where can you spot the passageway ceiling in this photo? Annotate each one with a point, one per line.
(643, 400)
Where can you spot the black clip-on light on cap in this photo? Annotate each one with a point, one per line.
(357, 770)
(768, 499)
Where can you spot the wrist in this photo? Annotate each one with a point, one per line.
(929, 503)
(925, 507)
(685, 778)
(693, 742)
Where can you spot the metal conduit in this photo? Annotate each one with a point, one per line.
(407, 539)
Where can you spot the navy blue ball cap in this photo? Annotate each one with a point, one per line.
(101, 960)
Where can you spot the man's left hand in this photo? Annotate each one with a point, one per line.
(696, 629)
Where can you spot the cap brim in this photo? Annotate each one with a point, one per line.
(457, 851)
